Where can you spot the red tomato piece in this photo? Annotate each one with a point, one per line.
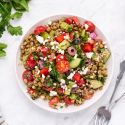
(52, 57)
(43, 50)
(30, 91)
(87, 47)
(76, 77)
(30, 62)
(68, 20)
(60, 57)
(59, 38)
(68, 101)
(71, 35)
(62, 66)
(75, 20)
(39, 29)
(47, 88)
(81, 82)
(27, 76)
(90, 26)
(53, 101)
(44, 71)
(60, 90)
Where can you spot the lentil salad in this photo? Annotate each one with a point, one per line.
(64, 61)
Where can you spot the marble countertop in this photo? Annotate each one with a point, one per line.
(108, 15)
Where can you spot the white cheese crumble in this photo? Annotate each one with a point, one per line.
(61, 51)
(86, 26)
(50, 69)
(53, 93)
(71, 75)
(89, 38)
(54, 84)
(89, 55)
(43, 76)
(75, 85)
(62, 81)
(85, 70)
(41, 40)
(67, 37)
(41, 58)
(54, 43)
(75, 56)
(45, 59)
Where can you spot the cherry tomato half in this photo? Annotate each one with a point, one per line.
(44, 71)
(87, 47)
(59, 38)
(68, 101)
(39, 29)
(75, 20)
(90, 26)
(43, 50)
(27, 76)
(62, 66)
(53, 101)
(77, 77)
(60, 57)
(68, 20)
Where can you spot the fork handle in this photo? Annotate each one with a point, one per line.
(119, 77)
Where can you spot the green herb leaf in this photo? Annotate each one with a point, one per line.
(14, 30)
(3, 46)
(2, 53)
(16, 15)
(20, 5)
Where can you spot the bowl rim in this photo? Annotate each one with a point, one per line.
(60, 111)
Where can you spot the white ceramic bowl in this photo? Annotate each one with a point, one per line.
(43, 104)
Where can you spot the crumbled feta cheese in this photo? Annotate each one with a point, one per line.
(36, 67)
(53, 93)
(41, 58)
(43, 76)
(53, 47)
(86, 26)
(61, 51)
(40, 39)
(54, 43)
(89, 55)
(75, 85)
(38, 72)
(85, 70)
(54, 84)
(50, 69)
(62, 81)
(71, 75)
(67, 37)
(45, 59)
(89, 38)
(75, 56)
(50, 22)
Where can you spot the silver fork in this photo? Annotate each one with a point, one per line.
(103, 114)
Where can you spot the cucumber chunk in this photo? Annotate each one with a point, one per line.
(65, 26)
(64, 45)
(45, 35)
(106, 54)
(96, 84)
(75, 63)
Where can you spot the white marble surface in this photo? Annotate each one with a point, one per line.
(108, 15)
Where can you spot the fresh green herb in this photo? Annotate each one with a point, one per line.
(2, 53)
(85, 37)
(3, 46)
(35, 57)
(14, 30)
(70, 58)
(6, 15)
(49, 82)
(53, 73)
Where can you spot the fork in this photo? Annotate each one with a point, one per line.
(103, 114)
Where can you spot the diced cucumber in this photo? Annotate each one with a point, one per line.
(65, 26)
(64, 45)
(73, 96)
(75, 63)
(106, 54)
(70, 84)
(96, 84)
(83, 33)
(45, 35)
(67, 91)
